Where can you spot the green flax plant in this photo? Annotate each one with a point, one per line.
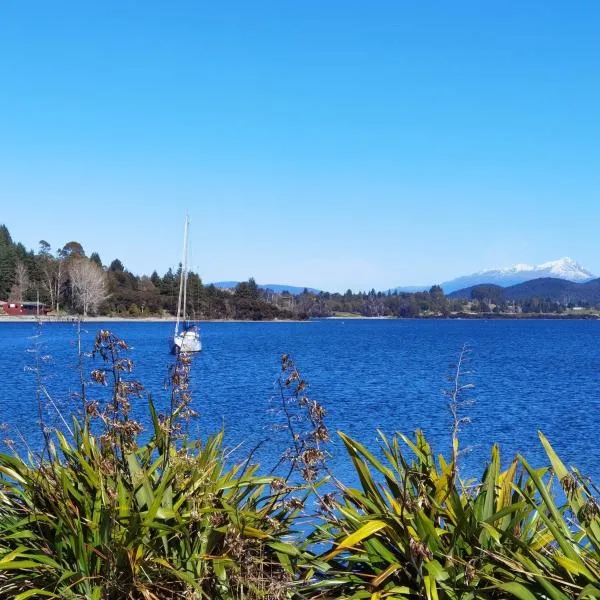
(410, 532)
(572, 549)
(106, 516)
(414, 530)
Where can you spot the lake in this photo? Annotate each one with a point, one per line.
(369, 375)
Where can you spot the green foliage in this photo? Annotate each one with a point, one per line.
(247, 289)
(134, 310)
(491, 294)
(116, 265)
(410, 532)
(5, 238)
(103, 517)
(95, 258)
(150, 525)
(377, 304)
(8, 263)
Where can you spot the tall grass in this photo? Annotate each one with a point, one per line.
(109, 513)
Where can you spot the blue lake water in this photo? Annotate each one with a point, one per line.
(369, 375)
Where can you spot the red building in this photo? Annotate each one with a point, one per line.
(18, 309)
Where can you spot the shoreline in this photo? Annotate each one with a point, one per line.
(106, 319)
(455, 317)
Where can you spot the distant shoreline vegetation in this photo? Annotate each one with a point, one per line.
(68, 282)
(492, 316)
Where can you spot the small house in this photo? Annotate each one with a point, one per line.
(19, 309)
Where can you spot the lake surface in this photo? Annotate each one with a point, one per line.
(369, 375)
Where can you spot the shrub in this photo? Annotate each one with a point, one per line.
(134, 310)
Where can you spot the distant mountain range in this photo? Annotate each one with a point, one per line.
(564, 268)
(276, 287)
(546, 288)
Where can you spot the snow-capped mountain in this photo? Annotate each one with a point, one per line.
(564, 268)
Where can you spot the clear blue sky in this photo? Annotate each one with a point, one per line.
(332, 143)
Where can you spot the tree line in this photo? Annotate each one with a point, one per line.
(68, 280)
(378, 304)
(483, 300)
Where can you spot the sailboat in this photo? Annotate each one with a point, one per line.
(187, 336)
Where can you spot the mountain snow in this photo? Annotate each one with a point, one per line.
(563, 268)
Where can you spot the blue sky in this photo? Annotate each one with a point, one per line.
(329, 143)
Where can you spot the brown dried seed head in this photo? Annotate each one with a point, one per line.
(295, 504)
(469, 573)
(419, 549)
(98, 376)
(327, 502)
(278, 485)
(590, 510)
(569, 485)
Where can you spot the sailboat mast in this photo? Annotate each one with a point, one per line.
(185, 267)
(181, 276)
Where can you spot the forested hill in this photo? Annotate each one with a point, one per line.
(546, 288)
(69, 280)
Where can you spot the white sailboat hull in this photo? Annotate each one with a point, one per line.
(187, 341)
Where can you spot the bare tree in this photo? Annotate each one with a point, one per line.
(58, 278)
(21, 284)
(48, 268)
(88, 284)
(53, 278)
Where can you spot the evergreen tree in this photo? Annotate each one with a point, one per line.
(155, 279)
(116, 265)
(8, 263)
(5, 239)
(95, 258)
